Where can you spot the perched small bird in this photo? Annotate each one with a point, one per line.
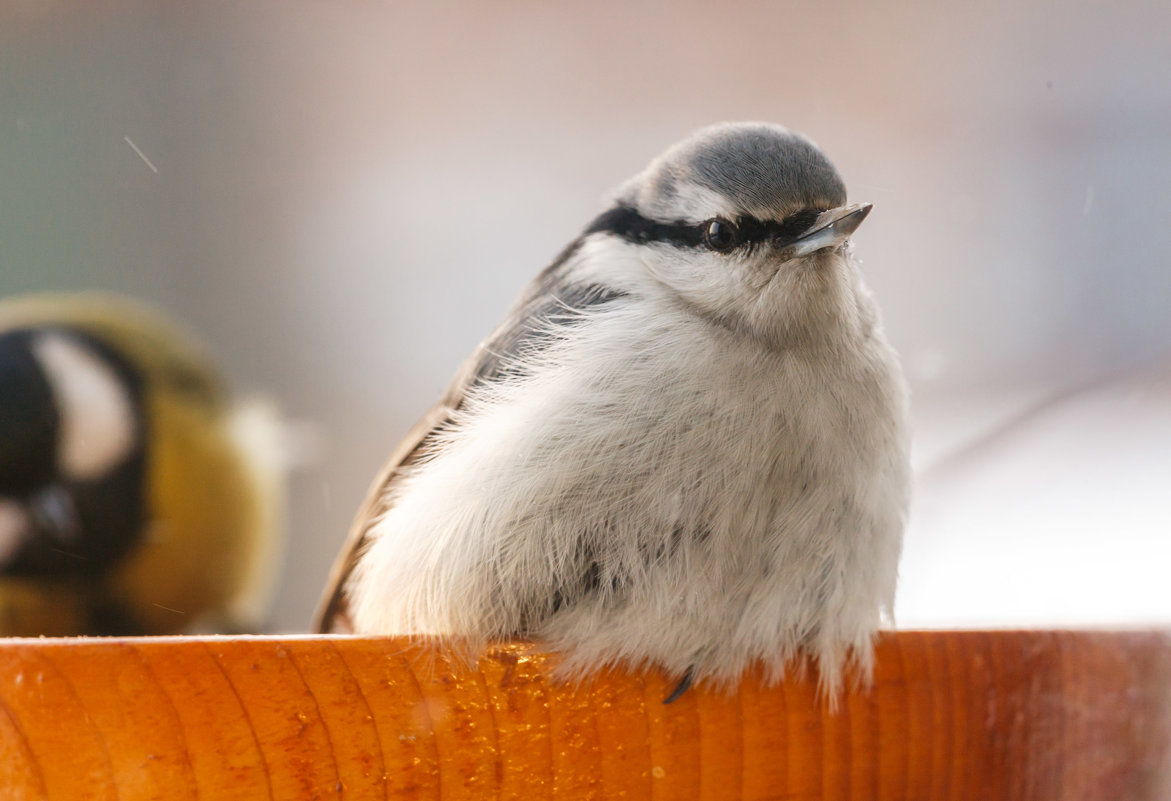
(135, 498)
(686, 445)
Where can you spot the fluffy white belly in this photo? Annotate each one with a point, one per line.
(661, 490)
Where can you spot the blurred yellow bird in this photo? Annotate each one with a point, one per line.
(135, 497)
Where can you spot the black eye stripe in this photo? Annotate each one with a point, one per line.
(627, 223)
(794, 225)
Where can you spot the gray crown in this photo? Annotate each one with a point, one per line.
(765, 170)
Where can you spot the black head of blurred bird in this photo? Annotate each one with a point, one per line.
(135, 497)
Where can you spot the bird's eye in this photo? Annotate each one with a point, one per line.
(720, 235)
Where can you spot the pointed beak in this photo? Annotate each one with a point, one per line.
(54, 514)
(832, 228)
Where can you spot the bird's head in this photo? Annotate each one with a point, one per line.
(748, 225)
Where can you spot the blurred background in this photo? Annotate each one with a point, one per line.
(343, 198)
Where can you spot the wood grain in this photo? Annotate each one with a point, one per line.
(951, 715)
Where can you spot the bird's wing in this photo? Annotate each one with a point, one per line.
(333, 614)
(552, 300)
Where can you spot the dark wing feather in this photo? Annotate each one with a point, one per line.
(552, 300)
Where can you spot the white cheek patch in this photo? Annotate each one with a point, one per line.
(13, 529)
(95, 407)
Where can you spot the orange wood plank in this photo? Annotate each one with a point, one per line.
(951, 715)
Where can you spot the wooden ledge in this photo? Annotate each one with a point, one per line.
(955, 715)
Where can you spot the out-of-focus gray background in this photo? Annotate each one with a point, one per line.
(344, 197)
